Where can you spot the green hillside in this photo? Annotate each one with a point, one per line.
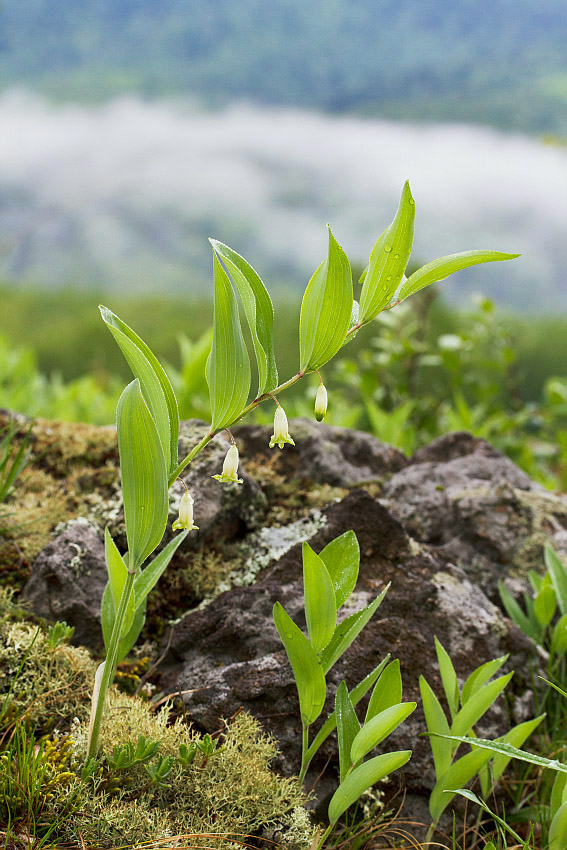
(499, 63)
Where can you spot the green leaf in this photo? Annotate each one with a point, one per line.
(342, 558)
(347, 727)
(469, 795)
(509, 751)
(557, 837)
(155, 384)
(143, 473)
(559, 636)
(461, 772)
(516, 738)
(326, 310)
(517, 615)
(362, 778)
(320, 608)
(378, 728)
(117, 574)
(147, 579)
(448, 677)
(355, 695)
(437, 725)
(307, 670)
(228, 366)
(388, 260)
(477, 705)
(558, 793)
(545, 604)
(480, 676)
(108, 613)
(259, 313)
(129, 638)
(558, 575)
(347, 631)
(440, 269)
(387, 691)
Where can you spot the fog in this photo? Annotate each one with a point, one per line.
(126, 193)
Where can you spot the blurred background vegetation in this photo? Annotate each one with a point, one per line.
(418, 371)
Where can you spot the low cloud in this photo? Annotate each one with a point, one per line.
(126, 193)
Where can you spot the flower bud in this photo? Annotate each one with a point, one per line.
(230, 467)
(185, 519)
(281, 432)
(321, 403)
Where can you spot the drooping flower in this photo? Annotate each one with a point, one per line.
(230, 467)
(281, 433)
(185, 519)
(321, 403)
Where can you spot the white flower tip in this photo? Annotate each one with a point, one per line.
(321, 403)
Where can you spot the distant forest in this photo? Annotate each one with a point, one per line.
(498, 62)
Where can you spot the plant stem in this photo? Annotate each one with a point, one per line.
(430, 832)
(208, 437)
(304, 748)
(325, 836)
(111, 664)
(188, 458)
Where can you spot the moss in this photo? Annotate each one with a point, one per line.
(234, 794)
(53, 685)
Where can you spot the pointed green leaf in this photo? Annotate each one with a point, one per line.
(480, 676)
(440, 269)
(545, 604)
(558, 575)
(320, 608)
(458, 775)
(107, 615)
(470, 795)
(388, 260)
(308, 673)
(558, 793)
(557, 837)
(477, 705)
(117, 574)
(437, 725)
(362, 778)
(517, 615)
(347, 727)
(387, 691)
(516, 738)
(155, 384)
(143, 473)
(128, 639)
(259, 313)
(355, 695)
(378, 728)
(342, 558)
(326, 310)
(559, 636)
(228, 366)
(508, 750)
(448, 677)
(347, 631)
(147, 579)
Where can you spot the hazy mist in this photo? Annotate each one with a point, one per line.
(126, 194)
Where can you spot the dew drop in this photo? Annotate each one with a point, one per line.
(387, 248)
(412, 202)
(396, 256)
(389, 277)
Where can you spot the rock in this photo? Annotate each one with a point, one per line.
(489, 517)
(67, 581)
(325, 454)
(221, 510)
(228, 656)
